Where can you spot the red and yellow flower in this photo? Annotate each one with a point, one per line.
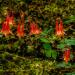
(34, 29)
(66, 55)
(10, 20)
(59, 30)
(20, 30)
(5, 28)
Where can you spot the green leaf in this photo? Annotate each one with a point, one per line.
(67, 21)
(63, 64)
(54, 54)
(73, 73)
(51, 53)
(46, 46)
(46, 31)
(70, 41)
(48, 53)
(61, 45)
(70, 19)
(44, 40)
(16, 44)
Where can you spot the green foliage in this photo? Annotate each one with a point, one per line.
(70, 19)
(16, 44)
(47, 46)
(70, 41)
(63, 64)
(49, 52)
(66, 42)
(52, 8)
(47, 31)
(61, 45)
(45, 40)
(73, 73)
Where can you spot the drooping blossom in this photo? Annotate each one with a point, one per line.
(66, 55)
(20, 30)
(59, 31)
(20, 27)
(34, 29)
(10, 19)
(6, 28)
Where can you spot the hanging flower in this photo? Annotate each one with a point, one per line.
(5, 28)
(10, 20)
(66, 55)
(20, 27)
(20, 30)
(59, 31)
(34, 29)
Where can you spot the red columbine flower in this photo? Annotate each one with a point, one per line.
(34, 29)
(59, 28)
(10, 19)
(66, 55)
(20, 30)
(5, 28)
